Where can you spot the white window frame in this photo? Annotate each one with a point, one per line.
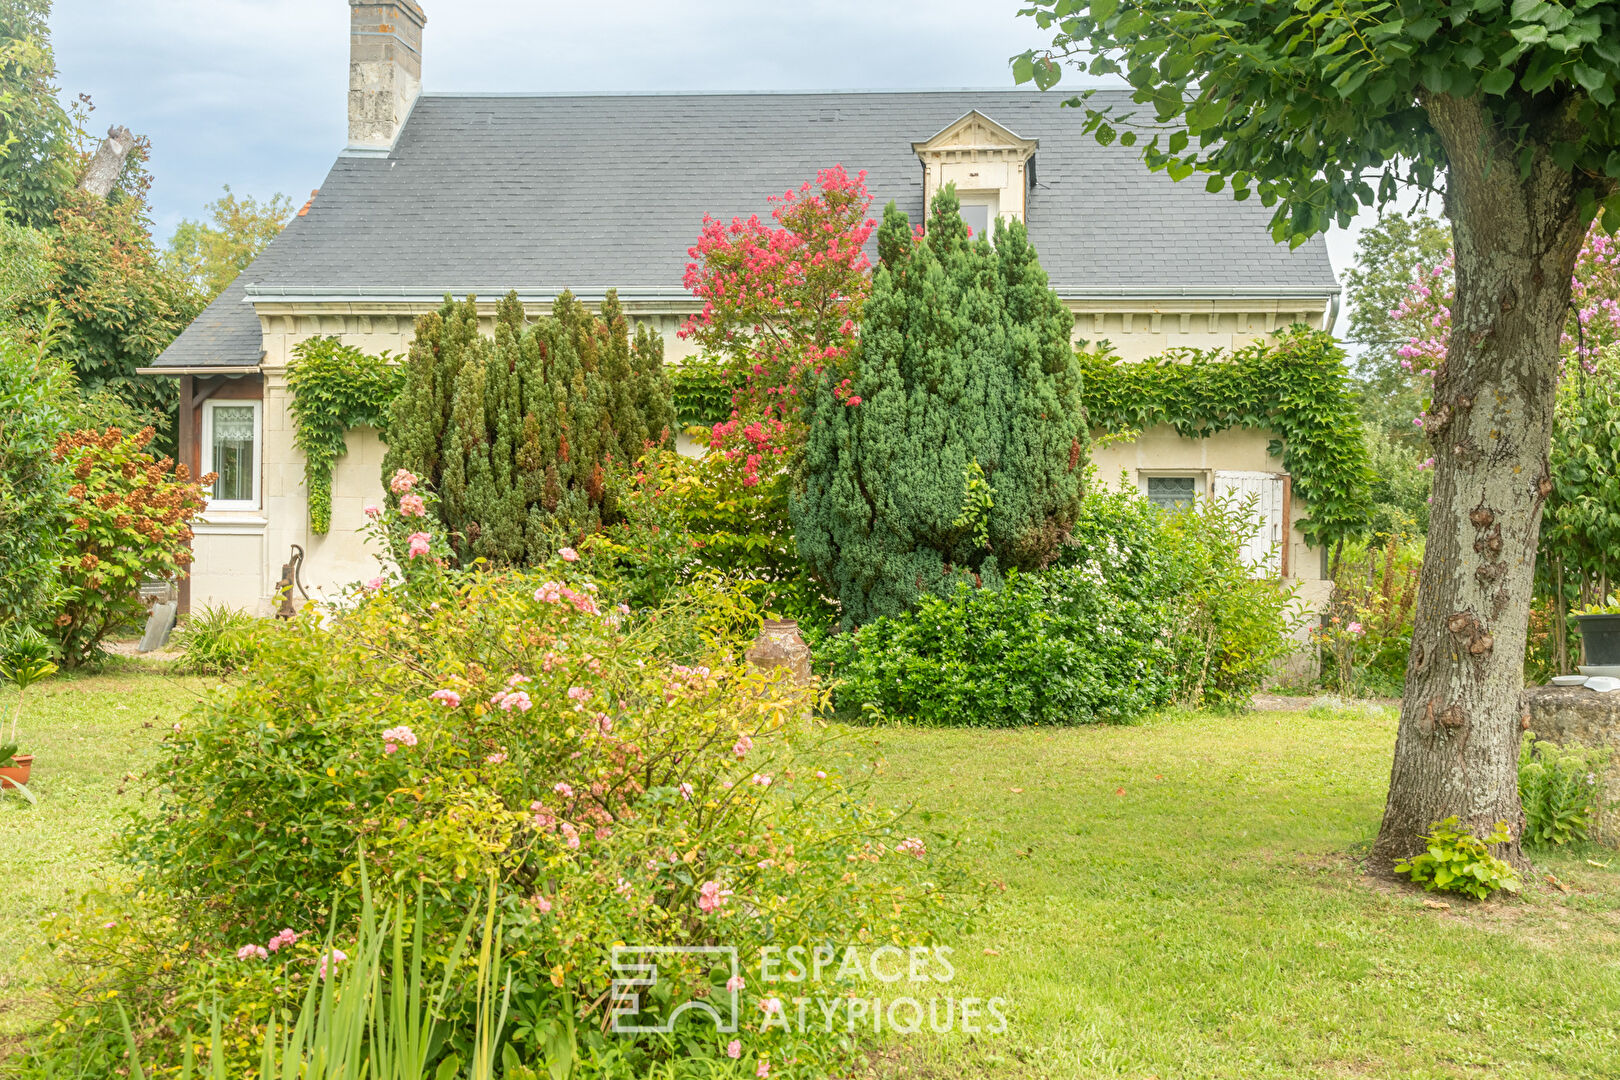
(1199, 477)
(206, 450)
(990, 199)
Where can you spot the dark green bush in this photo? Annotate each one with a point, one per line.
(1146, 608)
(1051, 648)
(1561, 789)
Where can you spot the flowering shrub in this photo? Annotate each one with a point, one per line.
(131, 520)
(522, 729)
(1226, 626)
(1368, 631)
(781, 305)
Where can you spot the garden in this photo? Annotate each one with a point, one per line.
(882, 739)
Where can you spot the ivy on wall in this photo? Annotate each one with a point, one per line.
(335, 387)
(701, 393)
(1294, 387)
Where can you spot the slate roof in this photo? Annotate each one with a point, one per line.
(486, 193)
(226, 334)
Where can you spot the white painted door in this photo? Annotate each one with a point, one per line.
(1262, 548)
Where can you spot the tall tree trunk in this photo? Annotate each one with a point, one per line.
(1490, 427)
(108, 163)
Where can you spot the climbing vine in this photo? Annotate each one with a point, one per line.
(335, 387)
(701, 391)
(1295, 387)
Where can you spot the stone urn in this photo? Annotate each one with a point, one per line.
(779, 645)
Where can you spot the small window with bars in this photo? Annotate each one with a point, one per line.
(1172, 492)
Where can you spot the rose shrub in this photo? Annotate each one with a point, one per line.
(520, 729)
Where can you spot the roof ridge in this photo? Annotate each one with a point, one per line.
(843, 92)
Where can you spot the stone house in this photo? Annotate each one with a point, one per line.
(480, 194)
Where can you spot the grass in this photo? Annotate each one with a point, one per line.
(92, 735)
(1182, 898)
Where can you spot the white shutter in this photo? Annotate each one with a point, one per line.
(1262, 548)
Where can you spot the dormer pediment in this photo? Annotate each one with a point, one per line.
(975, 131)
(988, 163)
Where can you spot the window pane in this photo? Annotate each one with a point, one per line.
(233, 452)
(1170, 492)
(978, 220)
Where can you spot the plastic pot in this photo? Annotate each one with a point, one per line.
(1600, 637)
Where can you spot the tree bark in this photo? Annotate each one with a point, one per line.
(108, 163)
(1489, 426)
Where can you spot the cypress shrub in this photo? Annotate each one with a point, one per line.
(520, 434)
(957, 451)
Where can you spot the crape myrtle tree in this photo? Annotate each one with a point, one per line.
(522, 435)
(956, 450)
(1324, 106)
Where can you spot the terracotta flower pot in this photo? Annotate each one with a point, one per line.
(17, 772)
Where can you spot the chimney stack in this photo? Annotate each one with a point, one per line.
(385, 70)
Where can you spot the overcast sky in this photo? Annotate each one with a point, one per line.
(251, 93)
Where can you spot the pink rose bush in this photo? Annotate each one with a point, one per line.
(502, 726)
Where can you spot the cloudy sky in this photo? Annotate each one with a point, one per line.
(251, 93)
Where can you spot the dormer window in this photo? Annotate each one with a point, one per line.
(977, 216)
(987, 163)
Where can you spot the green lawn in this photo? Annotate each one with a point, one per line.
(91, 737)
(1182, 899)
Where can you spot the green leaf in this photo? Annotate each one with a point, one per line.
(1423, 29)
(1102, 10)
(1497, 82)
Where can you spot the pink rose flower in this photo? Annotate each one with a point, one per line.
(569, 554)
(400, 734)
(734, 1049)
(374, 584)
(686, 792)
(1354, 628)
(763, 1070)
(711, 897)
(373, 512)
(735, 983)
(286, 937)
(913, 847)
(412, 506)
(451, 699)
(541, 904)
(419, 544)
(563, 788)
(336, 957)
(496, 758)
(251, 952)
(403, 480)
(742, 746)
(517, 699)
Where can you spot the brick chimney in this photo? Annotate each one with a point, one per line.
(385, 70)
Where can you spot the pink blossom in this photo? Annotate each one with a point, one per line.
(711, 897)
(568, 554)
(496, 758)
(517, 679)
(578, 693)
(516, 699)
(373, 511)
(419, 542)
(913, 847)
(735, 983)
(762, 781)
(412, 506)
(251, 952)
(374, 584)
(563, 788)
(742, 746)
(763, 1070)
(541, 904)
(734, 1049)
(570, 834)
(854, 399)
(402, 482)
(549, 593)
(450, 698)
(400, 734)
(686, 792)
(336, 956)
(1354, 628)
(286, 937)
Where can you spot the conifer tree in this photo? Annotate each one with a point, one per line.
(957, 450)
(521, 434)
